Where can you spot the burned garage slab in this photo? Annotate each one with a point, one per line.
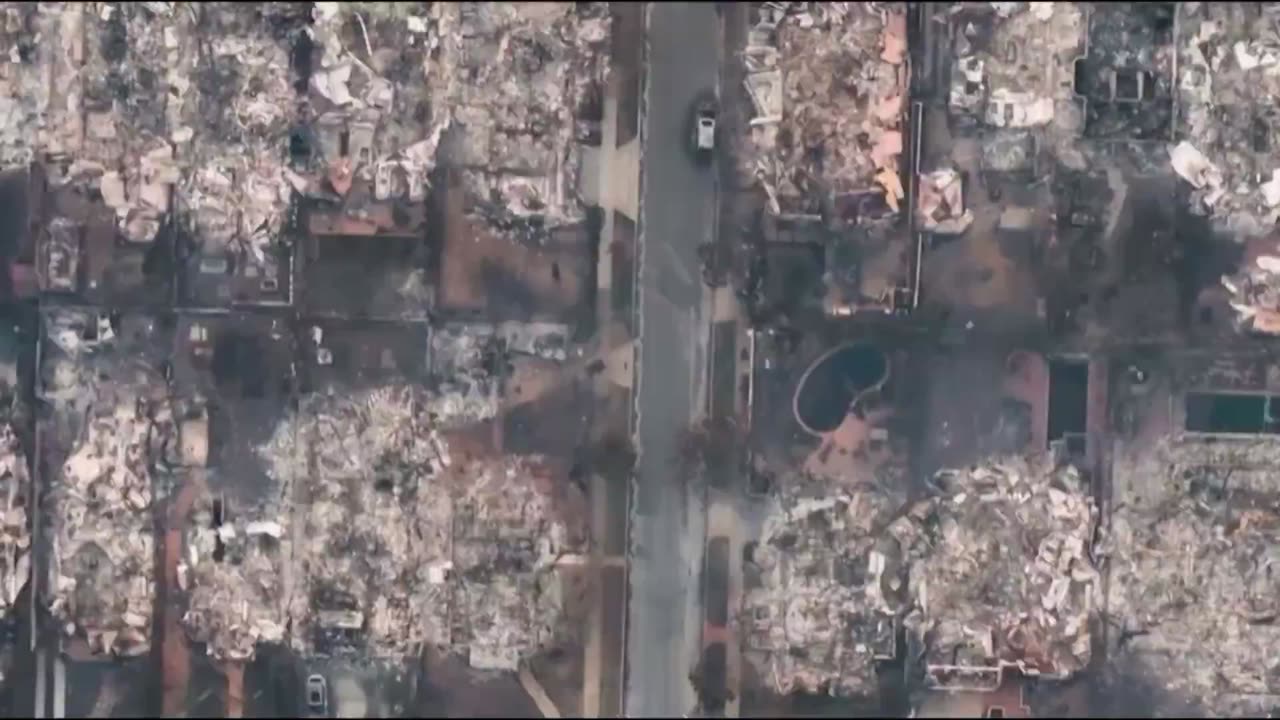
(348, 355)
(382, 267)
(499, 277)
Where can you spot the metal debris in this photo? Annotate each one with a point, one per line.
(233, 575)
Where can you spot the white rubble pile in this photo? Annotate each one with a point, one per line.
(831, 585)
(940, 208)
(1013, 82)
(15, 535)
(402, 545)
(1007, 574)
(462, 358)
(234, 135)
(376, 532)
(148, 103)
(24, 92)
(508, 78)
(1228, 79)
(1192, 579)
(232, 574)
(828, 81)
(114, 408)
(372, 91)
(1255, 294)
(507, 537)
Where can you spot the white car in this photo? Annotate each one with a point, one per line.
(704, 128)
(317, 696)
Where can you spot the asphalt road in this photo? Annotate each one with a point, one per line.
(669, 516)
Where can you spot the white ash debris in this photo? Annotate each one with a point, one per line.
(1191, 570)
(232, 574)
(24, 96)
(124, 151)
(401, 548)
(831, 583)
(468, 360)
(156, 107)
(356, 434)
(941, 207)
(235, 190)
(505, 82)
(1255, 294)
(515, 77)
(1015, 81)
(370, 85)
(996, 569)
(507, 537)
(113, 414)
(15, 533)
(1007, 574)
(828, 80)
(375, 539)
(1228, 79)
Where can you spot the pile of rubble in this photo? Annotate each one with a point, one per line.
(830, 586)
(941, 207)
(519, 107)
(232, 574)
(374, 542)
(828, 81)
(113, 407)
(503, 88)
(1005, 570)
(1010, 82)
(154, 107)
(15, 535)
(996, 568)
(508, 536)
(1255, 294)
(24, 91)
(1192, 586)
(400, 547)
(1229, 78)
(233, 135)
(468, 361)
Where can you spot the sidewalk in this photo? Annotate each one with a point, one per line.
(610, 182)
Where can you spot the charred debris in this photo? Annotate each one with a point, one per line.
(225, 432)
(1078, 200)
